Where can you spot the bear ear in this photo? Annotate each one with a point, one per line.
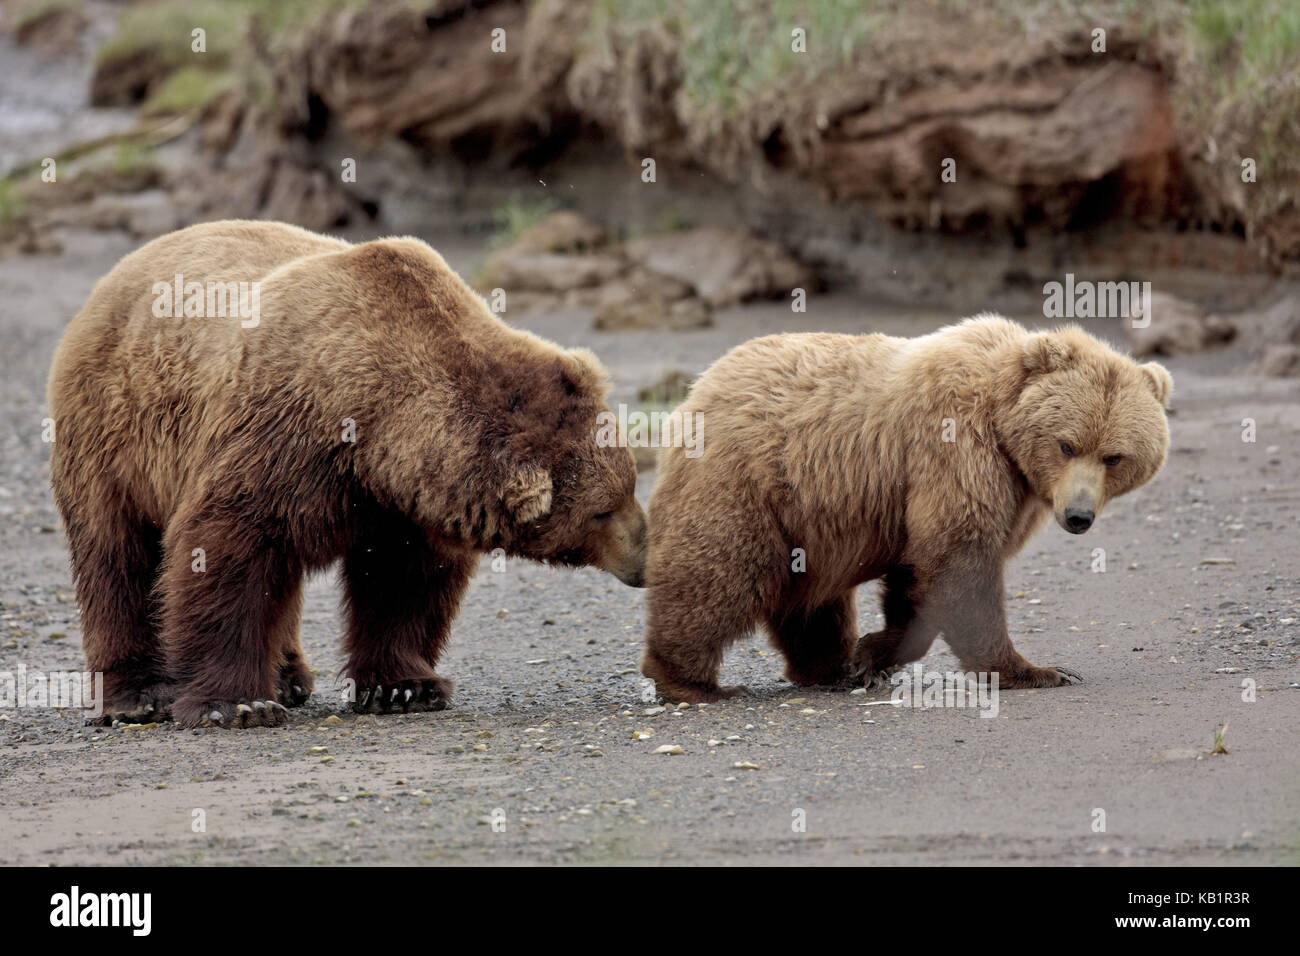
(527, 493)
(584, 370)
(1160, 381)
(1045, 352)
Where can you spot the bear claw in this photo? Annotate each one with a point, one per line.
(407, 696)
(294, 686)
(247, 712)
(1041, 677)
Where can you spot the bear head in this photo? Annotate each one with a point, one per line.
(1087, 424)
(568, 498)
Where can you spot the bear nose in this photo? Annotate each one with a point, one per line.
(1078, 520)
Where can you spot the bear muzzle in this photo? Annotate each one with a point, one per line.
(629, 546)
(1078, 520)
(1079, 496)
(1079, 513)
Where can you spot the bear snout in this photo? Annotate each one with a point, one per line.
(1078, 520)
(634, 578)
(627, 552)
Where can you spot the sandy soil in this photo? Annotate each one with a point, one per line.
(549, 698)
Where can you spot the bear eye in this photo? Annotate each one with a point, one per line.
(1067, 449)
(1110, 461)
(604, 516)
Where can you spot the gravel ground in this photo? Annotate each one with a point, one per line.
(548, 755)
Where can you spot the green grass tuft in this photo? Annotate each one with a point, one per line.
(517, 217)
(187, 89)
(731, 53)
(11, 204)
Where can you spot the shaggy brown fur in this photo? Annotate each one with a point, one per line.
(177, 434)
(834, 444)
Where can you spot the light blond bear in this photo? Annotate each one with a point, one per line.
(830, 460)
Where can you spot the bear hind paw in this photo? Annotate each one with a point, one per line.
(152, 702)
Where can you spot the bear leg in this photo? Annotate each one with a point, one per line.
(401, 597)
(906, 636)
(966, 603)
(220, 615)
(295, 680)
(116, 554)
(710, 582)
(818, 641)
(685, 645)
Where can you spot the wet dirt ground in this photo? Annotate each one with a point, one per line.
(548, 754)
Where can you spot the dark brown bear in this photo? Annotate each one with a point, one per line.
(363, 403)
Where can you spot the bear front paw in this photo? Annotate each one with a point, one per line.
(861, 670)
(246, 712)
(1039, 677)
(294, 685)
(405, 696)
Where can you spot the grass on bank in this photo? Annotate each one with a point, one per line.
(11, 203)
(235, 34)
(517, 216)
(187, 89)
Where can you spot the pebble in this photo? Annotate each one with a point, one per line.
(669, 750)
